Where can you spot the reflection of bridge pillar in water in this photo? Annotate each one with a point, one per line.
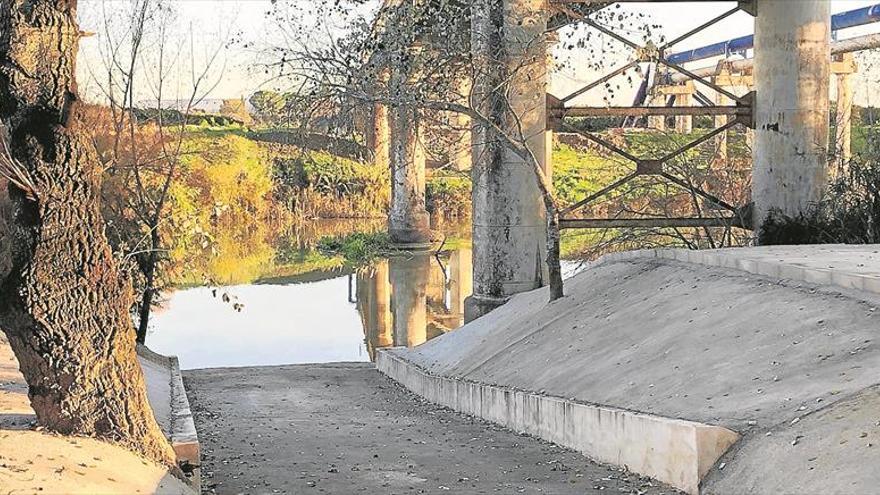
(436, 289)
(374, 306)
(460, 281)
(409, 280)
(382, 288)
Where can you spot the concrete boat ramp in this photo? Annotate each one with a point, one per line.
(734, 371)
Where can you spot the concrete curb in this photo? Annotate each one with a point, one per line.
(674, 451)
(737, 258)
(178, 423)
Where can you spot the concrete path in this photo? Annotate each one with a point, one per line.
(345, 429)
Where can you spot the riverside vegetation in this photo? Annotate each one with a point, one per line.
(241, 210)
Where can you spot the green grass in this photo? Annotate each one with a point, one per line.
(577, 173)
(357, 249)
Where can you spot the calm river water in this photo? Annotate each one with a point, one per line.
(302, 307)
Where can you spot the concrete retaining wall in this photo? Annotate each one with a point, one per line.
(170, 405)
(846, 267)
(674, 451)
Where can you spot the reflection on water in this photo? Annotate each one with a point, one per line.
(408, 299)
(258, 252)
(279, 324)
(300, 306)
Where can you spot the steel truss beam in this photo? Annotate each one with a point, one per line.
(742, 112)
(735, 111)
(651, 223)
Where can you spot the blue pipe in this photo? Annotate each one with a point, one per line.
(844, 20)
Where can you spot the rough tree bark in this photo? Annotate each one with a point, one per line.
(65, 304)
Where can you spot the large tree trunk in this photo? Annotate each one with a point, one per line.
(65, 305)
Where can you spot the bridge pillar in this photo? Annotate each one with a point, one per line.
(382, 294)
(657, 122)
(460, 281)
(408, 221)
(844, 67)
(509, 46)
(792, 73)
(684, 124)
(722, 140)
(461, 156)
(378, 135)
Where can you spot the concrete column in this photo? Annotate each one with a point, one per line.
(722, 139)
(657, 121)
(379, 135)
(461, 155)
(749, 78)
(792, 72)
(684, 124)
(509, 230)
(409, 224)
(409, 279)
(844, 69)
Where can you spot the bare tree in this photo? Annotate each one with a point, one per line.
(414, 55)
(137, 54)
(65, 304)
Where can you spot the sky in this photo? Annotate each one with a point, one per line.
(254, 31)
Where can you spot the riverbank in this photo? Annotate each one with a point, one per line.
(34, 461)
(343, 428)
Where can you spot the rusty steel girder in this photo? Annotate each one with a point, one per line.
(742, 113)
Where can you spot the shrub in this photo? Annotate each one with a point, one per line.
(849, 213)
(318, 184)
(449, 195)
(358, 248)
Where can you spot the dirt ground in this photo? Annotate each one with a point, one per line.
(344, 429)
(33, 461)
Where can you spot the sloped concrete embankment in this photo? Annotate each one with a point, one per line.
(774, 344)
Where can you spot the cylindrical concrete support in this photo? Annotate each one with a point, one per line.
(378, 139)
(722, 139)
(408, 221)
(374, 306)
(509, 227)
(436, 285)
(845, 69)
(409, 280)
(792, 73)
(684, 124)
(382, 301)
(844, 119)
(461, 155)
(657, 122)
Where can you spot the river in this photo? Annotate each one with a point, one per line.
(299, 306)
